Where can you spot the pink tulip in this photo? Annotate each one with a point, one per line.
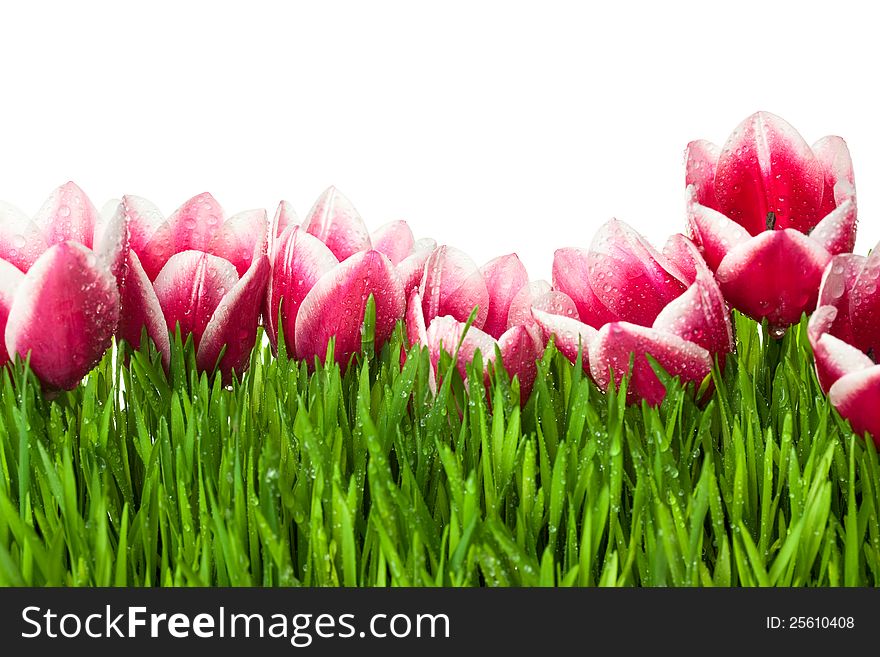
(768, 213)
(453, 287)
(519, 345)
(200, 270)
(845, 340)
(334, 238)
(320, 297)
(335, 222)
(59, 278)
(622, 298)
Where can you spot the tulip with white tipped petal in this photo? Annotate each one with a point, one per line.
(845, 335)
(317, 297)
(200, 270)
(519, 346)
(323, 272)
(453, 288)
(59, 284)
(632, 301)
(768, 213)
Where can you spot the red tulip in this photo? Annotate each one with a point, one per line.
(768, 212)
(845, 339)
(59, 277)
(631, 300)
(201, 271)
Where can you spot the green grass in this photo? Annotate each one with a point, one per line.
(366, 478)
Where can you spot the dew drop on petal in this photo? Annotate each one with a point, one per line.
(836, 287)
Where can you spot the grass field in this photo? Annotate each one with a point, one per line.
(366, 478)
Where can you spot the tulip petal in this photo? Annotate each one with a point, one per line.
(416, 332)
(140, 308)
(766, 166)
(412, 268)
(194, 223)
(21, 240)
(425, 244)
(190, 287)
(610, 352)
(285, 216)
(241, 239)
(839, 182)
(453, 285)
(300, 261)
(10, 278)
(569, 335)
(774, 275)
(445, 333)
(856, 396)
(64, 314)
(864, 302)
(554, 302)
(334, 221)
(68, 214)
(685, 256)
(519, 350)
(629, 276)
(699, 315)
(520, 311)
(715, 234)
(570, 267)
(233, 325)
(111, 239)
(335, 306)
(538, 294)
(836, 233)
(834, 357)
(150, 234)
(505, 276)
(394, 239)
(837, 281)
(701, 158)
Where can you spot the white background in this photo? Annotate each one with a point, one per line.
(496, 127)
